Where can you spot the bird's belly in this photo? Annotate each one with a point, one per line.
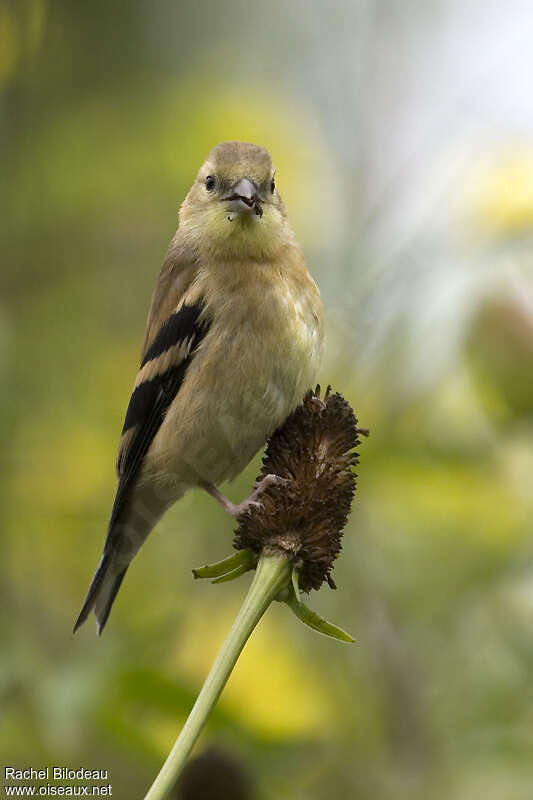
(237, 391)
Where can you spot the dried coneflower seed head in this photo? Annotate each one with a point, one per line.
(304, 517)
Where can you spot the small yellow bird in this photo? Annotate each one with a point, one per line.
(233, 342)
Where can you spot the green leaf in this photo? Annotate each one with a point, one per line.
(243, 558)
(230, 576)
(315, 621)
(296, 584)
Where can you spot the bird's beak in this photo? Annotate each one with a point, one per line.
(245, 196)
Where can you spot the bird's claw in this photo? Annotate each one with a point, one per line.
(267, 481)
(236, 510)
(254, 500)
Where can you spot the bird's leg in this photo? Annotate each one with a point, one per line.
(236, 509)
(226, 504)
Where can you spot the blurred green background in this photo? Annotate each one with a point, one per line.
(403, 139)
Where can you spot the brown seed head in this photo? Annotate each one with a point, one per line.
(314, 452)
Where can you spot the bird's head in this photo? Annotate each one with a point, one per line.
(233, 209)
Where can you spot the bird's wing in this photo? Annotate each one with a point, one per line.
(175, 277)
(174, 331)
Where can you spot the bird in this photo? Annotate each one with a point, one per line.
(233, 342)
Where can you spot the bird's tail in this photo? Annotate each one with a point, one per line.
(130, 524)
(128, 529)
(102, 592)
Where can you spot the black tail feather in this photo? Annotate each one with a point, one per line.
(101, 594)
(104, 605)
(129, 526)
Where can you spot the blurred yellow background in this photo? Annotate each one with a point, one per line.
(403, 140)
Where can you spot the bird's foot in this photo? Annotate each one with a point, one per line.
(265, 483)
(237, 509)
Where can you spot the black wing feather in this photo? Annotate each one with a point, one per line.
(179, 326)
(151, 399)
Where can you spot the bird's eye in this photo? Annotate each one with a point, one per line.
(209, 183)
(272, 185)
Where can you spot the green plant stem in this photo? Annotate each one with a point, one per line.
(271, 576)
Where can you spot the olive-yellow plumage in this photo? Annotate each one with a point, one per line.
(233, 342)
